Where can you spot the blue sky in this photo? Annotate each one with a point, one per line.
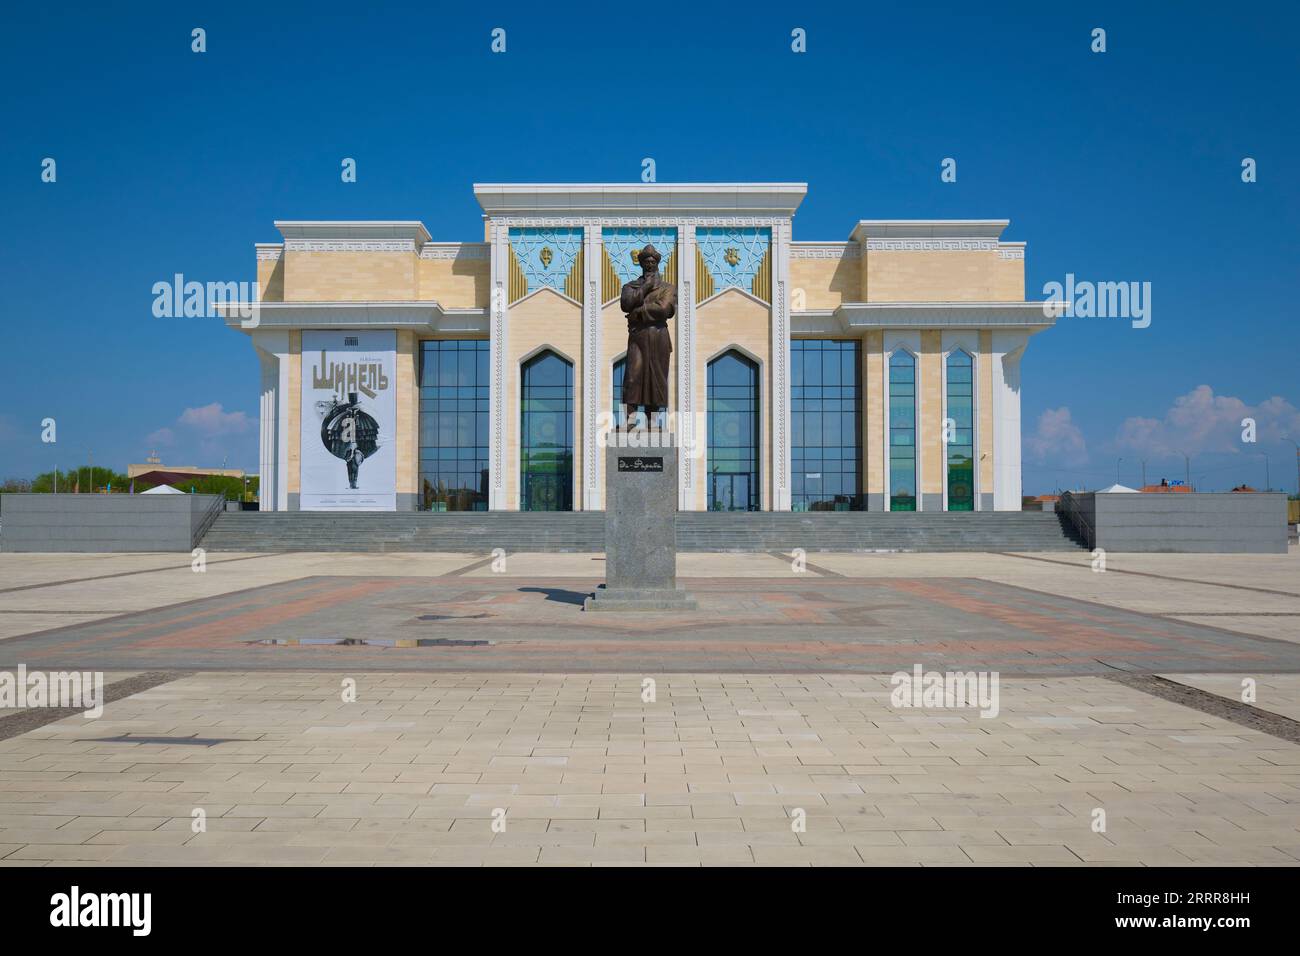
(1122, 166)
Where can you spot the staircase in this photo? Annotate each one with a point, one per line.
(481, 532)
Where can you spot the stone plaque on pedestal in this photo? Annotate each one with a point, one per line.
(640, 526)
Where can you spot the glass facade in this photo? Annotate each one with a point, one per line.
(733, 433)
(902, 431)
(546, 434)
(825, 425)
(960, 436)
(454, 390)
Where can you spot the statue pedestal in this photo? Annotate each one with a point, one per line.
(640, 526)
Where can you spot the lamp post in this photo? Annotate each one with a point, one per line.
(1297, 462)
(1268, 481)
(1187, 461)
(1117, 461)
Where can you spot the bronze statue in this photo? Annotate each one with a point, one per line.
(649, 302)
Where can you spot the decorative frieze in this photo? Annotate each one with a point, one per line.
(931, 245)
(350, 245)
(455, 250)
(825, 250)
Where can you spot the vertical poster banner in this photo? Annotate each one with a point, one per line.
(349, 419)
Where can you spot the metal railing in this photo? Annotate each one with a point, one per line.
(1068, 505)
(210, 514)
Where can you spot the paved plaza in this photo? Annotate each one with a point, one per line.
(479, 717)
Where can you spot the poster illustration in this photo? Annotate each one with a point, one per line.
(349, 412)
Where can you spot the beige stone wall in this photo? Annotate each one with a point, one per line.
(349, 276)
(735, 319)
(544, 318)
(270, 279)
(408, 414)
(1009, 280)
(461, 283)
(931, 386)
(966, 276)
(825, 283)
(984, 378)
(873, 408)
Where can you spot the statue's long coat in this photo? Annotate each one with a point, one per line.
(649, 302)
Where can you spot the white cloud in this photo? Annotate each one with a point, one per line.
(212, 420)
(205, 433)
(1057, 440)
(1201, 422)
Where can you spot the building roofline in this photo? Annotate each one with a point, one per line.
(640, 199)
(408, 229)
(928, 229)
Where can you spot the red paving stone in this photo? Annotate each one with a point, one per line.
(743, 625)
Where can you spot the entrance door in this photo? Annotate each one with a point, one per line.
(731, 492)
(543, 492)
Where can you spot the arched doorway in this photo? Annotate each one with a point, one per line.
(546, 434)
(733, 434)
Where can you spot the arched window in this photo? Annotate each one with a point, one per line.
(733, 430)
(960, 439)
(546, 434)
(825, 425)
(620, 414)
(902, 431)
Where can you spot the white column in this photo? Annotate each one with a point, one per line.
(592, 368)
(268, 420)
(1008, 347)
(689, 438)
(498, 419)
(781, 366)
(272, 347)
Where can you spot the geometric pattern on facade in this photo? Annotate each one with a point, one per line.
(548, 256)
(623, 243)
(736, 256)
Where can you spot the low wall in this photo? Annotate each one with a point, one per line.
(102, 523)
(1195, 522)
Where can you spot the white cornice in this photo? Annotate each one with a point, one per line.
(637, 200)
(928, 229)
(943, 315)
(422, 316)
(408, 231)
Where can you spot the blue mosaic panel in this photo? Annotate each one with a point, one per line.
(733, 255)
(546, 255)
(621, 241)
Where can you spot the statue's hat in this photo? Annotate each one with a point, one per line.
(650, 251)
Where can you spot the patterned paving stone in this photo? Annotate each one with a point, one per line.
(745, 754)
(749, 625)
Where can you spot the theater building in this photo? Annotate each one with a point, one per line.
(880, 371)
